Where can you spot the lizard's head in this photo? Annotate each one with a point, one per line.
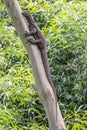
(28, 17)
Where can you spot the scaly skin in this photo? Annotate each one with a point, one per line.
(40, 41)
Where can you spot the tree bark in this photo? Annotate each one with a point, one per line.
(41, 83)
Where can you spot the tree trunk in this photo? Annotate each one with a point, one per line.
(43, 88)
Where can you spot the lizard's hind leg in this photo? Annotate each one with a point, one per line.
(37, 42)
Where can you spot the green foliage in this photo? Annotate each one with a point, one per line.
(64, 24)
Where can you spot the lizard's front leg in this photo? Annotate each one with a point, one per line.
(30, 33)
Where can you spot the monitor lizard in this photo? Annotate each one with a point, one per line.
(40, 41)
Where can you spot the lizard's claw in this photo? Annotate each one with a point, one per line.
(26, 34)
(29, 40)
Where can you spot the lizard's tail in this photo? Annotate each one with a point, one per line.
(48, 74)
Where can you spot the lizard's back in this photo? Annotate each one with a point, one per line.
(43, 49)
